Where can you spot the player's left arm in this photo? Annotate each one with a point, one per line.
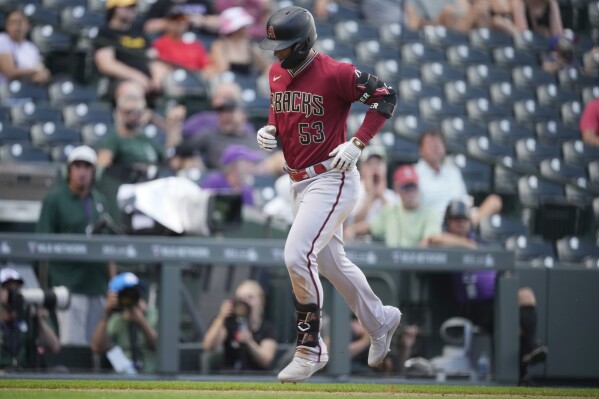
(382, 99)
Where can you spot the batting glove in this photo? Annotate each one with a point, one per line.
(346, 155)
(266, 138)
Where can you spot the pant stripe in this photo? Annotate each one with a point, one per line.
(309, 263)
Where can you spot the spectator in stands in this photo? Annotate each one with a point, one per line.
(19, 57)
(240, 333)
(475, 290)
(173, 48)
(561, 53)
(17, 327)
(234, 50)
(374, 193)
(206, 121)
(589, 123)
(127, 155)
(200, 13)
(76, 207)
(502, 16)
(458, 15)
(260, 10)
(128, 322)
(441, 182)
(406, 224)
(122, 49)
(236, 173)
(542, 16)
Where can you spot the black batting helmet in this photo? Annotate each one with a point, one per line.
(290, 26)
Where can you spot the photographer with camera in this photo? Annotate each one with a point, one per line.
(25, 333)
(240, 332)
(76, 207)
(128, 323)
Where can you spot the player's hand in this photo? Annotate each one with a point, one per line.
(266, 138)
(346, 156)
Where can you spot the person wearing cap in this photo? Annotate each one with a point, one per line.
(174, 48)
(374, 193)
(406, 224)
(236, 174)
(258, 9)
(475, 290)
(121, 49)
(441, 182)
(19, 57)
(17, 342)
(234, 50)
(200, 14)
(128, 322)
(77, 207)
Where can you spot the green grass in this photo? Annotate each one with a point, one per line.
(84, 389)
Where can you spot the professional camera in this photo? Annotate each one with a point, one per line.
(128, 297)
(238, 319)
(55, 298)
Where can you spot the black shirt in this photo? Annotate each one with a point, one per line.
(237, 356)
(129, 47)
(189, 7)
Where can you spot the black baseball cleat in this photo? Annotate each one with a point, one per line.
(537, 355)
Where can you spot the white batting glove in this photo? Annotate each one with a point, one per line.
(346, 155)
(266, 138)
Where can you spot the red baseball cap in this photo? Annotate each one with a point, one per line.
(405, 174)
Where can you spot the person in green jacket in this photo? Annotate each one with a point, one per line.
(76, 207)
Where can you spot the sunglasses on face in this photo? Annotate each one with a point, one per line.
(408, 187)
(131, 111)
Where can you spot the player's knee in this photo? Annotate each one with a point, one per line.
(293, 257)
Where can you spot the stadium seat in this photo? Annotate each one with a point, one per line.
(415, 89)
(458, 92)
(533, 191)
(409, 71)
(39, 15)
(339, 12)
(77, 115)
(61, 4)
(483, 75)
(485, 38)
(69, 92)
(406, 107)
(529, 76)
(484, 149)
(76, 19)
(590, 93)
(93, 133)
(504, 93)
(477, 175)
(434, 109)
(180, 84)
(553, 132)
(399, 150)
(350, 31)
(530, 153)
(370, 51)
(59, 153)
(29, 113)
(463, 55)
(572, 78)
(508, 56)
(335, 48)
(530, 41)
(571, 112)
(12, 134)
(394, 34)
(20, 91)
(497, 228)
(388, 71)
(22, 152)
(154, 133)
(411, 127)
(48, 134)
(441, 37)
(528, 111)
(48, 39)
(593, 169)
(578, 194)
(417, 53)
(482, 110)
(590, 62)
(100, 5)
(507, 131)
(575, 249)
(531, 249)
(457, 130)
(505, 180)
(436, 73)
(577, 152)
(551, 95)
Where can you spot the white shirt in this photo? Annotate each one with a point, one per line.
(438, 188)
(25, 54)
(375, 207)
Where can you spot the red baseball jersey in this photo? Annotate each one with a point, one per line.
(309, 108)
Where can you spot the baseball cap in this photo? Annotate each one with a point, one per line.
(457, 209)
(405, 174)
(7, 274)
(122, 281)
(373, 151)
(82, 153)
(238, 152)
(119, 3)
(175, 13)
(234, 18)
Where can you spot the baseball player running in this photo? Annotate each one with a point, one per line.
(311, 95)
